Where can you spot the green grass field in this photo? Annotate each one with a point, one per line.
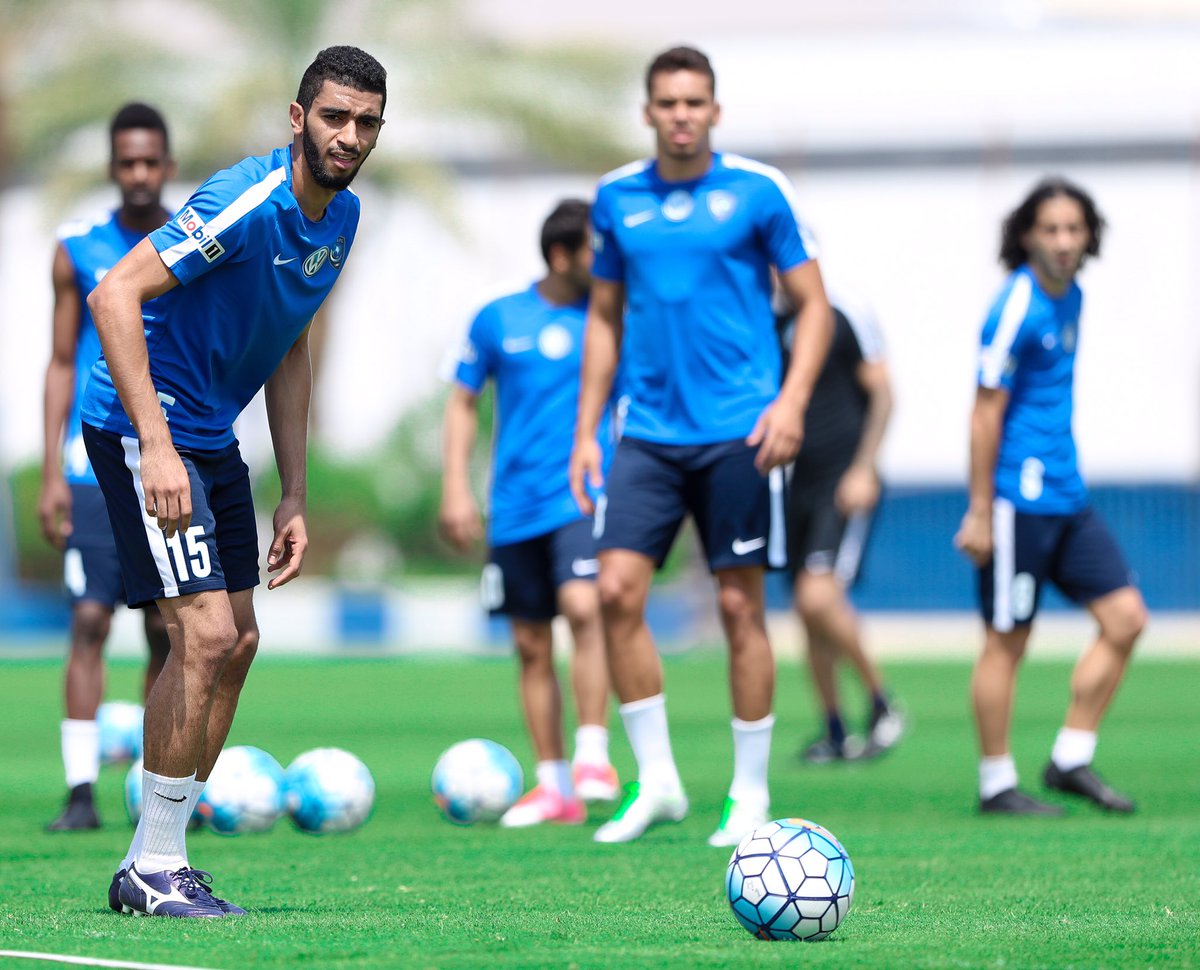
(937, 885)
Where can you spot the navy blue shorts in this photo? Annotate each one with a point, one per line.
(651, 487)
(220, 548)
(1075, 552)
(91, 570)
(522, 579)
(821, 540)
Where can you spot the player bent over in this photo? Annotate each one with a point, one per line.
(1029, 521)
(542, 559)
(236, 278)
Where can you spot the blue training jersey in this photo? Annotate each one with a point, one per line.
(533, 351)
(254, 269)
(93, 248)
(700, 360)
(1028, 349)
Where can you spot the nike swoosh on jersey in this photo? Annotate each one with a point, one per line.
(637, 218)
(742, 546)
(284, 262)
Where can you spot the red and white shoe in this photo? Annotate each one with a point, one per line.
(596, 783)
(540, 805)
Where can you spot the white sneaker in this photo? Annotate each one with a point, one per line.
(739, 818)
(639, 810)
(596, 783)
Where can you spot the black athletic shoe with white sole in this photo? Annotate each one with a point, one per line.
(79, 813)
(1083, 781)
(183, 893)
(1012, 801)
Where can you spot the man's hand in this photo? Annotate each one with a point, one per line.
(858, 490)
(584, 470)
(777, 435)
(54, 511)
(974, 537)
(459, 521)
(167, 488)
(290, 542)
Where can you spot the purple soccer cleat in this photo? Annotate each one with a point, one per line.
(183, 893)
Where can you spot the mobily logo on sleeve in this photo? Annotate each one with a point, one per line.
(190, 222)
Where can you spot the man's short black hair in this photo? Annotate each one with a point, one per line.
(566, 226)
(681, 59)
(138, 115)
(1022, 218)
(350, 66)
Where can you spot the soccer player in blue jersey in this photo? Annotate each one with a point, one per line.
(1029, 521)
(70, 506)
(542, 557)
(681, 294)
(193, 322)
(832, 491)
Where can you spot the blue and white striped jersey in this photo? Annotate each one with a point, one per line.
(700, 359)
(1028, 349)
(254, 269)
(94, 248)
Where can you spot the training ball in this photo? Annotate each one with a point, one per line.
(133, 794)
(476, 781)
(244, 792)
(120, 724)
(790, 880)
(328, 790)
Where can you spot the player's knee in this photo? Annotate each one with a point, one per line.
(618, 597)
(1123, 627)
(815, 598)
(534, 646)
(736, 603)
(90, 627)
(246, 647)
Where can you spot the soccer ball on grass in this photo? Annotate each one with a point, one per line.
(476, 781)
(328, 790)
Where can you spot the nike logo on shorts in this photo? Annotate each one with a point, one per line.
(742, 546)
(585, 567)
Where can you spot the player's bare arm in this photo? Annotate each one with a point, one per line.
(780, 429)
(601, 352)
(974, 536)
(458, 517)
(288, 392)
(858, 490)
(116, 305)
(54, 501)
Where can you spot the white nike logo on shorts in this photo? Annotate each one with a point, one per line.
(585, 567)
(742, 546)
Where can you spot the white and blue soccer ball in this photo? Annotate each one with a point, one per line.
(790, 880)
(120, 724)
(244, 792)
(476, 781)
(328, 790)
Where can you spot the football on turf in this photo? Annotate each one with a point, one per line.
(244, 792)
(476, 781)
(120, 724)
(790, 880)
(328, 790)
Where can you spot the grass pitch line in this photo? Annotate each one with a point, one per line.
(93, 961)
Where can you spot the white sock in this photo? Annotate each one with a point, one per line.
(751, 754)
(1073, 748)
(996, 774)
(197, 791)
(81, 751)
(591, 744)
(555, 776)
(646, 724)
(165, 814)
(135, 844)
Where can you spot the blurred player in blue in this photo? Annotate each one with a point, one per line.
(681, 295)
(542, 556)
(235, 279)
(70, 506)
(1029, 520)
(833, 490)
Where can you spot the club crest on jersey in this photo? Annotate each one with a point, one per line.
(555, 342)
(315, 261)
(678, 205)
(190, 222)
(337, 252)
(721, 204)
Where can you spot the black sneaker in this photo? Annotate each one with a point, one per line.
(79, 813)
(1085, 782)
(886, 729)
(823, 751)
(1011, 801)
